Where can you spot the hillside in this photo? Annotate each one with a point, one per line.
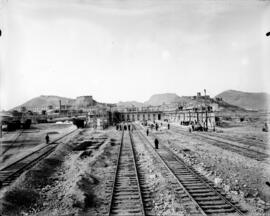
(247, 100)
(46, 100)
(129, 104)
(187, 101)
(159, 99)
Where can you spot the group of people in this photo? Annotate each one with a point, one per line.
(156, 125)
(124, 127)
(197, 126)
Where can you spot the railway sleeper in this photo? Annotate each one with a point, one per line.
(147, 199)
(195, 187)
(199, 190)
(126, 176)
(216, 211)
(126, 212)
(189, 179)
(145, 186)
(212, 198)
(126, 196)
(122, 182)
(211, 202)
(126, 205)
(123, 187)
(224, 206)
(126, 193)
(208, 194)
(126, 190)
(182, 172)
(148, 205)
(145, 192)
(193, 184)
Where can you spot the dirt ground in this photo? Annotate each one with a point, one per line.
(18, 143)
(71, 181)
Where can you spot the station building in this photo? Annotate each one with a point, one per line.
(184, 116)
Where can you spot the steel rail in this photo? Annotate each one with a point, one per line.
(9, 177)
(195, 174)
(115, 174)
(127, 152)
(28, 155)
(172, 173)
(137, 174)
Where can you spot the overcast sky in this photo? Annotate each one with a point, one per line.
(128, 50)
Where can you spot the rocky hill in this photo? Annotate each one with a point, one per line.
(52, 100)
(159, 99)
(129, 104)
(46, 100)
(168, 99)
(84, 101)
(246, 100)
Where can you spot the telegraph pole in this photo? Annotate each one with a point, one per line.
(206, 107)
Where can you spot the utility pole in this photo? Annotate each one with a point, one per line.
(59, 107)
(206, 107)
(1, 146)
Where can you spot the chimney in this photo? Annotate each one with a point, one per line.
(59, 106)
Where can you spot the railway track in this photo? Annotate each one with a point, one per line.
(197, 189)
(126, 196)
(245, 141)
(12, 142)
(241, 149)
(9, 173)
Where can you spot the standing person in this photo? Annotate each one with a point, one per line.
(156, 126)
(156, 143)
(47, 138)
(147, 132)
(168, 126)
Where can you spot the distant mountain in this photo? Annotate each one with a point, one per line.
(186, 101)
(129, 104)
(231, 100)
(247, 100)
(159, 99)
(46, 100)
